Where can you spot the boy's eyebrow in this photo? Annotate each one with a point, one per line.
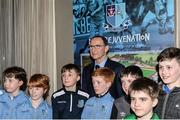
(143, 97)
(139, 97)
(9, 78)
(68, 70)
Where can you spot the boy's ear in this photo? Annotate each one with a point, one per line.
(78, 78)
(21, 82)
(155, 101)
(45, 90)
(108, 84)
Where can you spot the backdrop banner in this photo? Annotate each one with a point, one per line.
(132, 27)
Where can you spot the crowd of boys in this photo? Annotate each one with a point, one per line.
(108, 90)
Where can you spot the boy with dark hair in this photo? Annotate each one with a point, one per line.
(144, 97)
(169, 72)
(13, 101)
(68, 102)
(121, 106)
(99, 106)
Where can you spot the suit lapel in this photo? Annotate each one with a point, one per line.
(107, 64)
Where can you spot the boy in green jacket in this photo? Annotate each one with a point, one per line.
(143, 93)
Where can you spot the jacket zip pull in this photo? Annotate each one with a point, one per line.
(71, 103)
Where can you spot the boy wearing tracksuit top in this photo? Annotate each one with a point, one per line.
(13, 101)
(68, 102)
(100, 106)
(121, 106)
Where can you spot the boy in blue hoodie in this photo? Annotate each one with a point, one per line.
(13, 100)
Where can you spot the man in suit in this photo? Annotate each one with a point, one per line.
(99, 48)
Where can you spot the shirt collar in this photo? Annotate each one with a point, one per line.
(102, 64)
(166, 89)
(41, 105)
(14, 97)
(99, 96)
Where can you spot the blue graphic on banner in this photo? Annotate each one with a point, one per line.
(129, 25)
(116, 14)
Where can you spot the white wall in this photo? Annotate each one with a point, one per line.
(177, 23)
(64, 34)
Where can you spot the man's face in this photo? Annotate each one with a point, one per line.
(98, 50)
(142, 104)
(169, 71)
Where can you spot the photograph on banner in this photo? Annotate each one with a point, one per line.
(145, 60)
(128, 25)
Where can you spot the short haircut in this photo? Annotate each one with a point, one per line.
(105, 41)
(18, 73)
(146, 85)
(169, 54)
(132, 70)
(105, 72)
(69, 67)
(40, 80)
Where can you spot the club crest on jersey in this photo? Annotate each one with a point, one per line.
(80, 103)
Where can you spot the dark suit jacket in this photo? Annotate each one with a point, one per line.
(116, 88)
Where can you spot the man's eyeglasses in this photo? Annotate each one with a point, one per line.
(95, 46)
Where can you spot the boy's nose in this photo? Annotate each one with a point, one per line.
(136, 103)
(95, 85)
(164, 71)
(33, 90)
(65, 77)
(126, 86)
